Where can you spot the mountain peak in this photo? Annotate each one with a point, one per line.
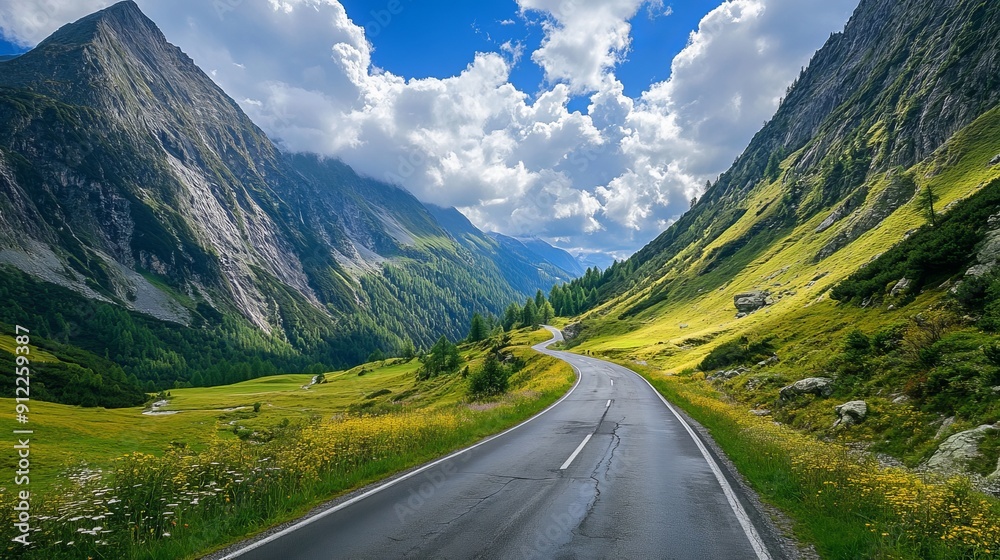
(124, 19)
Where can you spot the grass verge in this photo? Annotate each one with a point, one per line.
(846, 504)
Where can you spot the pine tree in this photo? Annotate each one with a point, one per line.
(927, 200)
(478, 329)
(546, 313)
(442, 359)
(491, 379)
(529, 314)
(512, 316)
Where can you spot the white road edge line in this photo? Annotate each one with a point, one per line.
(612, 382)
(377, 489)
(579, 448)
(608, 405)
(741, 515)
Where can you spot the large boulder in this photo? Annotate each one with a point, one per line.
(819, 386)
(727, 374)
(851, 413)
(748, 302)
(572, 330)
(954, 453)
(900, 287)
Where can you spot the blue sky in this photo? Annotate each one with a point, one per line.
(412, 43)
(588, 123)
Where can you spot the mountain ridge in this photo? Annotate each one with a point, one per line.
(131, 178)
(874, 101)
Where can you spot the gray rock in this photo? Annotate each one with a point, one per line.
(980, 269)
(990, 250)
(944, 427)
(760, 412)
(769, 361)
(954, 453)
(900, 287)
(748, 302)
(572, 330)
(741, 315)
(851, 413)
(995, 160)
(993, 222)
(819, 386)
(901, 399)
(989, 253)
(870, 216)
(729, 374)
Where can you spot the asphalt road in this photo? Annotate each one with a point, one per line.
(608, 472)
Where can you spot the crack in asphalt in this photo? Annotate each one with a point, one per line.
(514, 477)
(479, 501)
(616, 441)
(606, 462)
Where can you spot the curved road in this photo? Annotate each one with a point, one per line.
(610, 471)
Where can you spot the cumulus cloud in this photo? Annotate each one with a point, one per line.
(606, 180)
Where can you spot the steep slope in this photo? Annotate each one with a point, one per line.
(831, 180)
(843, 278)
(547, 265)
(132, 180)
(544, 253)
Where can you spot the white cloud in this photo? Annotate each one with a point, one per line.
(584, 39)
(522, 164)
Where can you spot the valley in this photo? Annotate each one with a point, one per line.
(226, 334)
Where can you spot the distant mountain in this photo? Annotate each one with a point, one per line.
(525, 268)
(131, 181)
(541, 253)
(554, 255)
(599, 260)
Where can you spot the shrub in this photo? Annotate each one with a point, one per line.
(857, 343)
(992, 353)
(736, 352)
(442, 359)
(489, 380)
(256, 407)
(379, 393)
(887, 339)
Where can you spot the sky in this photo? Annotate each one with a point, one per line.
(588, 123)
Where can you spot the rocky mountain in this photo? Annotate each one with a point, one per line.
(884, 108)
(132, 180)
(552, 264)
(544, 252)
(843, 277)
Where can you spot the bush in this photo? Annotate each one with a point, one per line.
(887, 339)
(930, 255)
(442, 359)
(857, 343)
(736, 352)
(489, 380)
(256, 407)
(992, 353)
(377, 394)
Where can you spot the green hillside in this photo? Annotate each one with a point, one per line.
(858, 235)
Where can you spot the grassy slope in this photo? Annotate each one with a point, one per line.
(808, 329)
(67, 437)
(656, 335)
